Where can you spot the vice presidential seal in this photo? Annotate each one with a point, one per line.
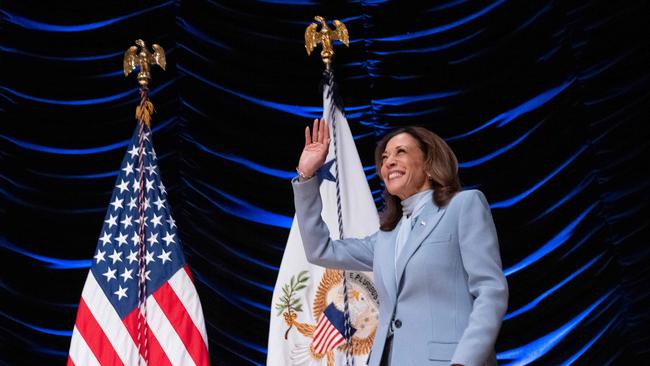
(325, 336)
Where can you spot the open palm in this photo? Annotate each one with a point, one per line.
(317, 144)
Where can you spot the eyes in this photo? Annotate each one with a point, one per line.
(398, 151)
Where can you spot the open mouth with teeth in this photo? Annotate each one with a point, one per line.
(395, 174)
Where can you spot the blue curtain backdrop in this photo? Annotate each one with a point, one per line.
(545, 103)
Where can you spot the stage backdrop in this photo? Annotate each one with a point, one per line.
(545, 103)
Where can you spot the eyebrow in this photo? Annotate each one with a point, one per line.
(398, 146)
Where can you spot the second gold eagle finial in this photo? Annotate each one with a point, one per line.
(325, 37)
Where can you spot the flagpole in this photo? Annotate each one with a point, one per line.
(325, 36)
(142, 60)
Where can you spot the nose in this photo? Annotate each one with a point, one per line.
(390, 161)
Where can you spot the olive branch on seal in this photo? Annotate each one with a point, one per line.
(289, 304)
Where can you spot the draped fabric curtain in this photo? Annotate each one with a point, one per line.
(545, 104)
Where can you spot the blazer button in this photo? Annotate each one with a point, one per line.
(398, 323)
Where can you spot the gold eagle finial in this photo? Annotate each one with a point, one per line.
(142, 59)
(325, 37)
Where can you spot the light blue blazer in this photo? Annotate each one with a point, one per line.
(451, 296)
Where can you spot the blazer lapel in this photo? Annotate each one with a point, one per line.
(426, 222)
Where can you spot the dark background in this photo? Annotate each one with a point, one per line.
(544, 102)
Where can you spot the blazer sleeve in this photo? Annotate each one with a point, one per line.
(320, 249)
(479, 249)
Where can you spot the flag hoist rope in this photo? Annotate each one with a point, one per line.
(142, 263)
(329, 81)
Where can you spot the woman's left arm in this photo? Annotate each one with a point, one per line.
(479, 248)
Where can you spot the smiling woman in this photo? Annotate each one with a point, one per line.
(411, 160)
(401, 166)
(436, 262)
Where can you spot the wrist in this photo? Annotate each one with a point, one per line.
(302, 175)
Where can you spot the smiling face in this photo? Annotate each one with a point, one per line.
(402, 167)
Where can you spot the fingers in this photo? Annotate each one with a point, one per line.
(307, 136)
(326, 133)
(321, 132)
(314, 132)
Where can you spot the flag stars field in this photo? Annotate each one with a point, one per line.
(132, 204)
(133, 256)
(128, 169)
(135, 185)
(151, 169)
(99, 256)
(168, 239)
(117, 203)
(110, 274)
(135, 239)
(116, 256)
(134, 152)
(149, 185)
(155, 221)
(171, 222)
(126, 275)
(160, 203)
(149, 257)
(137, 221)
(121, 239)
(106, 239)
(164, 257)
(111, 221)
(127, 221)
(153, 239)
(121, 292)
(124, 186)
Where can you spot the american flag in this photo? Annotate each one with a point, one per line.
(330, 330)
(107, 330)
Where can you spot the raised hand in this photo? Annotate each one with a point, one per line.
(317, 144)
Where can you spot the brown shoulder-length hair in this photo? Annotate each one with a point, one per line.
(440, 164)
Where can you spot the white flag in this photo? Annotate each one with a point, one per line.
(303, 291)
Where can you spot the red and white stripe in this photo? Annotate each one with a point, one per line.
(176, 334)
(326, 336)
